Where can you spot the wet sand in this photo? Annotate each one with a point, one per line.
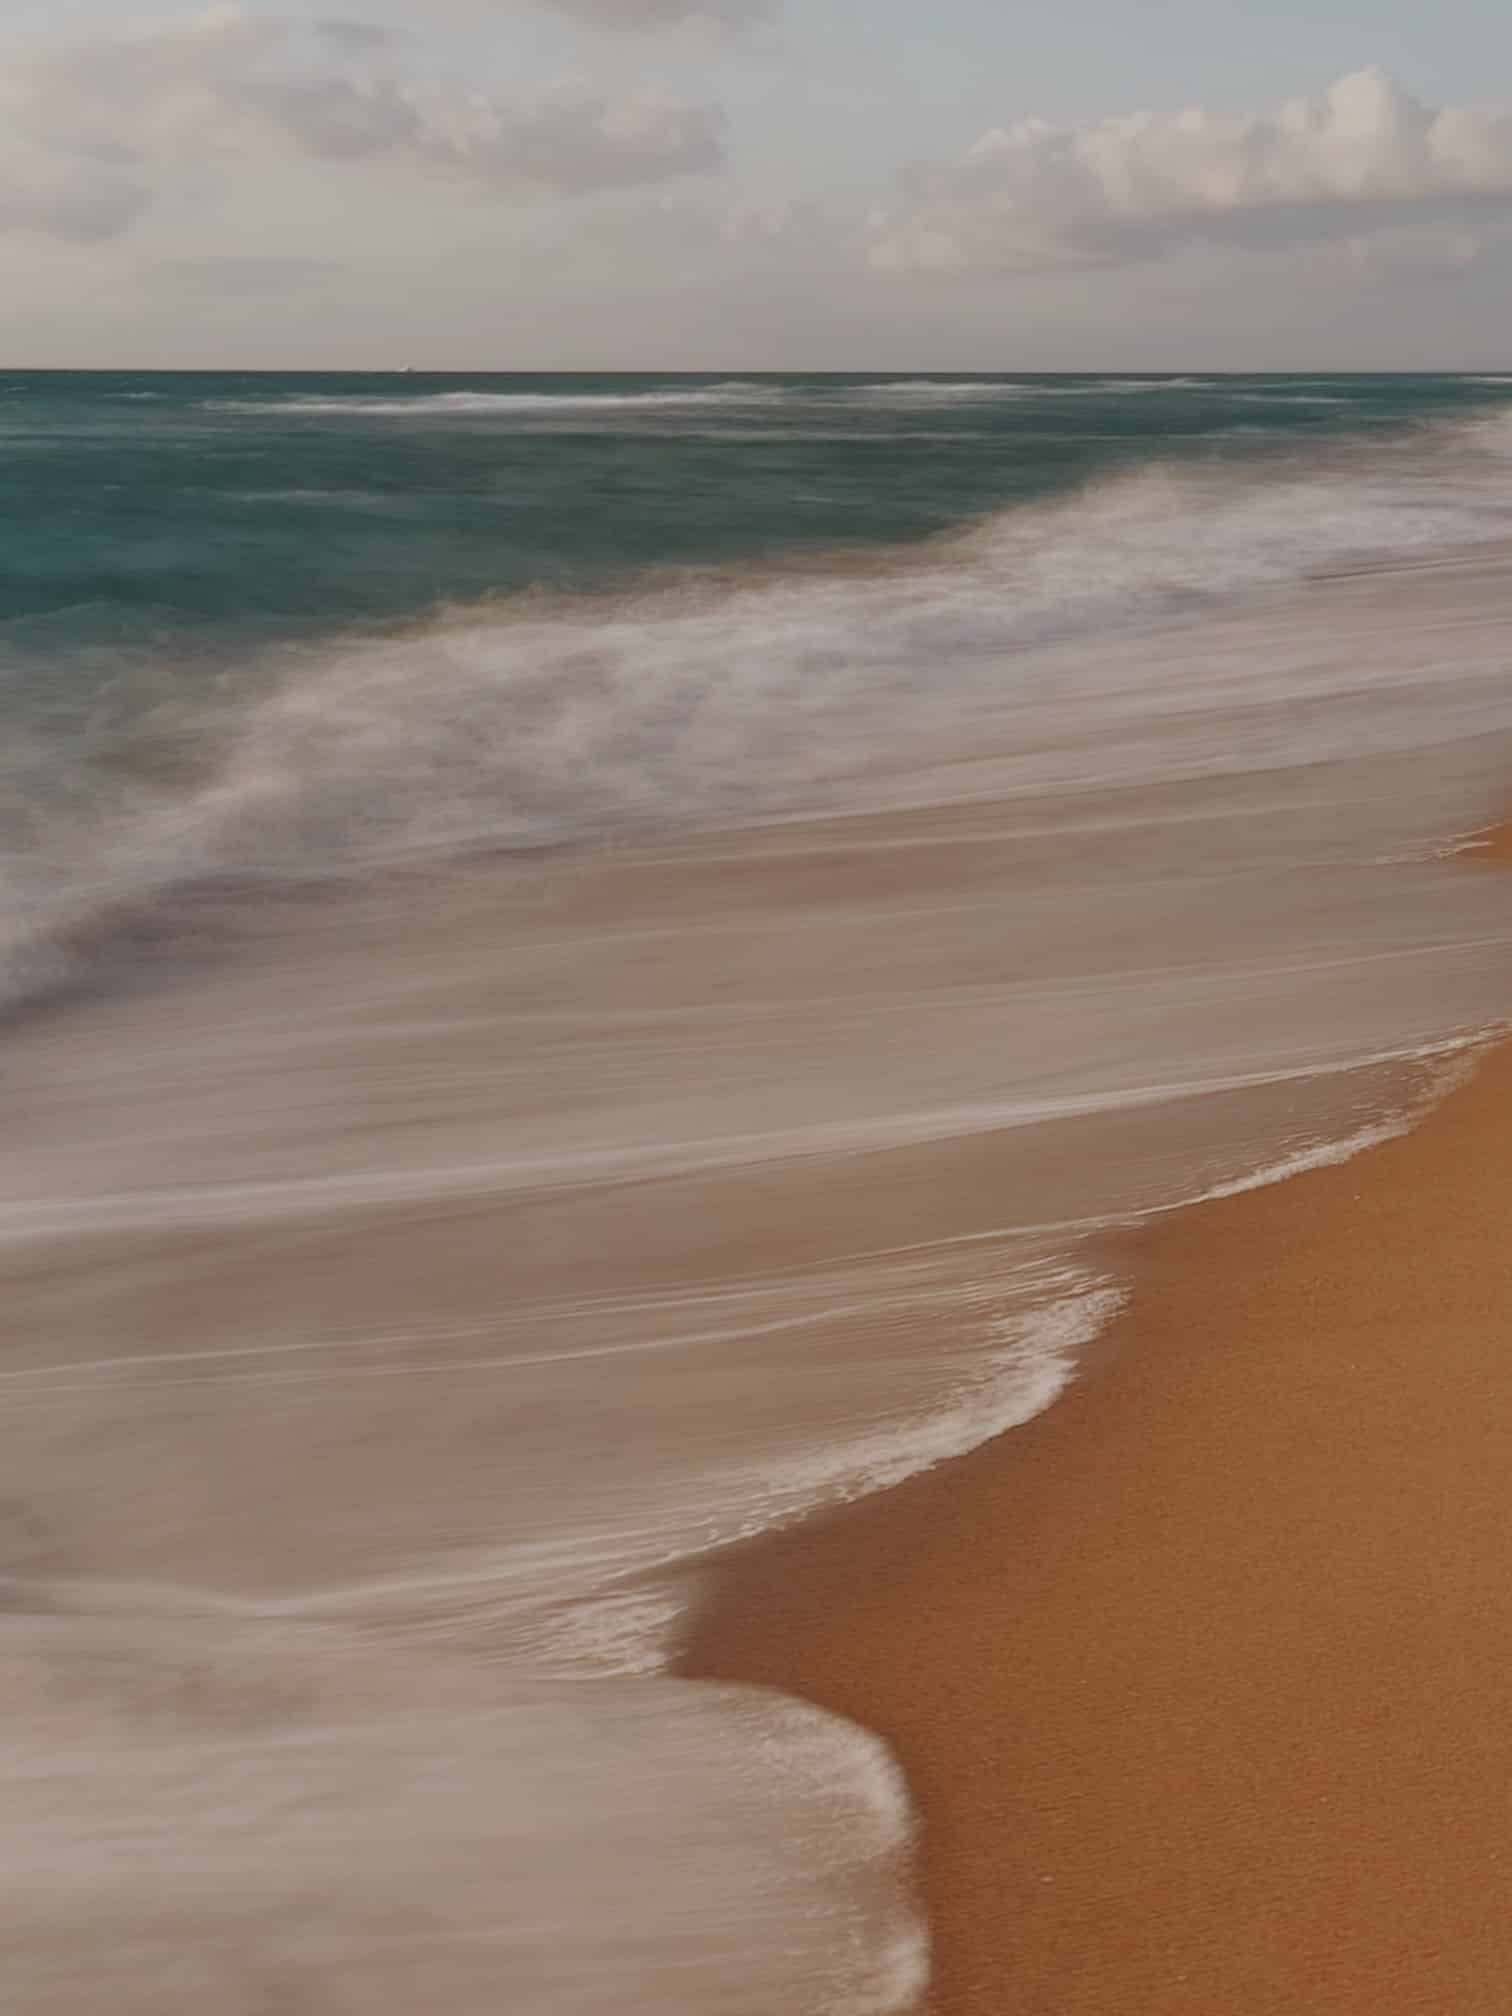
(1202, 1681)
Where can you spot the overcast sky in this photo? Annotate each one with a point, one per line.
(744, 184)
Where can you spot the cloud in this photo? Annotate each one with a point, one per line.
(1361, 156)
(354, 38)
(94, 132)
(632, 14)
(226, 274)
(59, 194)
(1416, 250)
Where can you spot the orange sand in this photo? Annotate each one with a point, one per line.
(1203, 1680)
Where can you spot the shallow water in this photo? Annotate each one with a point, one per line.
(421, 1256)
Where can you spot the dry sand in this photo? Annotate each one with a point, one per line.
(1203, 1680)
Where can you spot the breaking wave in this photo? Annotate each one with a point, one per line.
(462, 405)
(703, 696)
(673, 399)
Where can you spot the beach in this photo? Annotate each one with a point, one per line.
(1199, 1679)
(531, 1113)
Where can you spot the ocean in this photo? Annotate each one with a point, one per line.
(588, 966)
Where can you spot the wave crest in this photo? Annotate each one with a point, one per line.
(464, 405)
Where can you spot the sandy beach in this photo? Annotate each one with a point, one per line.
(1200, 1678)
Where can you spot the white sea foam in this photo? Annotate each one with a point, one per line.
(1286, 397)
(1456, 1059)
(500, 405)
(520, 403)
(1026, 1361)
(906, 391)
(1102, 386)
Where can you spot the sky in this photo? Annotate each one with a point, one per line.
(757, 184)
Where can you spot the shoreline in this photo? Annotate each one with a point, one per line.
(1197, 1678)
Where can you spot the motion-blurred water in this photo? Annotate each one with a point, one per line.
(589, 960)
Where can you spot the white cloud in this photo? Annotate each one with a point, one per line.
(1363, 155)
(94, 132)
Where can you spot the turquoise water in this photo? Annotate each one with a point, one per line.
(265, 503)
(284, 624)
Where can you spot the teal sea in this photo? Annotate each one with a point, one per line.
(256, 624)
(218, 506)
